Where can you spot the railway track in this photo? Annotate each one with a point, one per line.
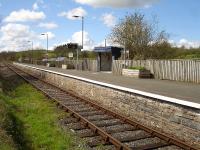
(99, 126)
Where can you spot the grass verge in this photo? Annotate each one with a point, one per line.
(6, 141)
(31, 121)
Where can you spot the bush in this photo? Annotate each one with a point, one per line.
(70, 66)
(52, 65)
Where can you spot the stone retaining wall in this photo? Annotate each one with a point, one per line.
(179, 121)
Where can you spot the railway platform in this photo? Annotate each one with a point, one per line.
(166, 106)
(179, 90)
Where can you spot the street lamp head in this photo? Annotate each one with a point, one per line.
(76, 16)
(43, 34)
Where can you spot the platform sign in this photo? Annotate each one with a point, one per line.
(70, 55)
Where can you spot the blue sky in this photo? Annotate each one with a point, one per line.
(25, 20)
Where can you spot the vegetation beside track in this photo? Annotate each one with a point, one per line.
(30, 120)
(6, 141)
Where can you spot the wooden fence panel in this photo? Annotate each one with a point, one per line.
(86, 64)
(177, 70)
(117, 66)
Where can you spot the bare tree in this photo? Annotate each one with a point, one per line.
(138, 35)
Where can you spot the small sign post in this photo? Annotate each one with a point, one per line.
(70, 55)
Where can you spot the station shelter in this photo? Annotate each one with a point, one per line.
(106, 55)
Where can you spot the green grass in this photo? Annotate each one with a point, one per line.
(137, 68)
(33, 122)
(6, 141)
(39, 117)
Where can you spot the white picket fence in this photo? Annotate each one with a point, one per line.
(178, 70)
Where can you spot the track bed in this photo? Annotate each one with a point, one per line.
(99, 126)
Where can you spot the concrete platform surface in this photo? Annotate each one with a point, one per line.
(180, 90)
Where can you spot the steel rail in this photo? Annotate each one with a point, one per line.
(170, 140)
(107, 137)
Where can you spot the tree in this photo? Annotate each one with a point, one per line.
(138, 36)
(63, 50)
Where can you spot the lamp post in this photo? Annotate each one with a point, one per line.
(31, 51)
(82, 21)
(125, 54)
(125, 42)
(82, 18)
(47, 44)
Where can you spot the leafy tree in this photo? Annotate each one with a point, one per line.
(138, 36)
(63, 50)
(88, 54)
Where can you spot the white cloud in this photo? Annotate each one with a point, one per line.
(35, 6)
(108, 19)
(103, 43)
(49, 25)
(147, 6)
(117, 3)
(76, 11)
(185, 43)
(15, 37)
(88, 43)
(24, 15)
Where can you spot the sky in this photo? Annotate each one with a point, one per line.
(23, 21)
